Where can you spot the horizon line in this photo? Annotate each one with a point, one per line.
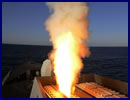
(51, 45)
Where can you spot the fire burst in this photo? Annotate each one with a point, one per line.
(67, 63)
(68, 28)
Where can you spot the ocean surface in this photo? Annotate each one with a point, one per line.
(107, 61)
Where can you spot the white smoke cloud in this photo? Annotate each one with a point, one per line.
(67, 16)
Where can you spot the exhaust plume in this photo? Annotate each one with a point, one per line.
(68, 29)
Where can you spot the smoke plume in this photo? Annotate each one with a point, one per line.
(68, 30)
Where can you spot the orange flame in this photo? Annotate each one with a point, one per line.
(68, 29)
(67, 63)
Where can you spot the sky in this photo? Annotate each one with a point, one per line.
(24, 23)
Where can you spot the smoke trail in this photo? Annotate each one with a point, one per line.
(68, 28)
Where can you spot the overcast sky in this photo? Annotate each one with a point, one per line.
(23, 23)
